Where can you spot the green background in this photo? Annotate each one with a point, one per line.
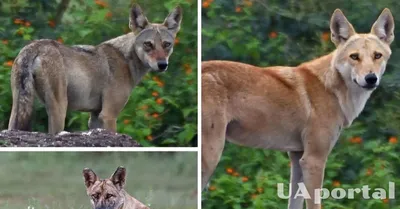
(162, 109)
(54, 180)
(289, 32)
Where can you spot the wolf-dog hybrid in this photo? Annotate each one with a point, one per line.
(302, 109)
(109, 193)
(96, 79)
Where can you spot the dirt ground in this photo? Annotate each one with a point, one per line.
(92, 138)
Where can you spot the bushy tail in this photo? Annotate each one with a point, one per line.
(23, 93)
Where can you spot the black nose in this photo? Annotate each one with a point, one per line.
(371, 78)
(162, 65)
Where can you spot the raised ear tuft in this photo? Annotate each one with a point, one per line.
(137, 20)
(341, 29)
(173, 20)
(90, 177)
(384, 26)
(118, 178)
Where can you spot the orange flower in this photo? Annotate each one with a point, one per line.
(248, 3)
(336, 183)
(155, 115)
(188, 71)
(20, 31)
(155, 78)
(51, 23)
(206, 4)
(253, 196)
(235, 174)
(229, 170)
(325, 36)
(176, 41)
(18, 21)
(238, 9)
(245, 179)
(159, 101)
(369, 172)
(385, 201)
(393, 140)
(356, 140)
(260, 190)
(27, 24)
(149, 138)
(160, 83)
(108, 15)
(60, 40)
(273, 34)
(212, 188)
(101, 3)
(9, 63)
(5, 42)
(154, 94)
(144, 107)
(126, 121)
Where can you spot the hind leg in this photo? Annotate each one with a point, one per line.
(56, 111)
(94, 121)
(53, 92)
(212, 145)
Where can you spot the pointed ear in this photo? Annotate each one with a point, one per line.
(90, 177)
(137, 20)
(341, 29)
(384, 26)
(118, 178)
(173, 20)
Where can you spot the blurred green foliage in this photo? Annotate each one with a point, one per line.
(289, 32)
(162, 109)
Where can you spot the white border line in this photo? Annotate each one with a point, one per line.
(199, 46)
(99, 149)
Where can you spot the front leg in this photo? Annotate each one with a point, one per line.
(296, 176)
(112, 104)
(318, 141)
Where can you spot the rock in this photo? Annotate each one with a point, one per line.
(91, 138)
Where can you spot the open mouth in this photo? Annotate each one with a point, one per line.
(368, 86)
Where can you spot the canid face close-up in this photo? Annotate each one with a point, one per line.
(105, 193)
(362, 58)
(154, 42)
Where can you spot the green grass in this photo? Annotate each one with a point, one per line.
(54, 179)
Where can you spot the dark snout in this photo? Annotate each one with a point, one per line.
(162, 65)
(371, 80)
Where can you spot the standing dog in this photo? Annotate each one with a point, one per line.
(297, 109)
(95, 79)
(109, 193)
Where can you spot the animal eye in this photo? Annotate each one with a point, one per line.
(354, 56)
(167, 44)
(109, 196)
(378, 55)
(96, 196)
(148, 44)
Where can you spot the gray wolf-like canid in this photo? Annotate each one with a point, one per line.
(96, 79)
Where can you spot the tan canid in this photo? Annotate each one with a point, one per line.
(96, 79)
(296, 109)
(109, 193)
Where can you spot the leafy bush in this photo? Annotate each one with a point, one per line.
(162, 110)
(289, 33)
